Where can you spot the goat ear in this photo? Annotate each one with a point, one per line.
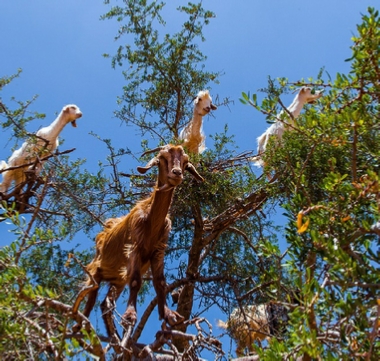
(151, 163)
(213, 107)
(191, 169)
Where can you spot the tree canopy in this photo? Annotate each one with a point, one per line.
(222, 251)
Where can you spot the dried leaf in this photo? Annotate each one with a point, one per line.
(304, 226)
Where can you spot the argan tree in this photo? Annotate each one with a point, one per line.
(222, 250)
(328, 180)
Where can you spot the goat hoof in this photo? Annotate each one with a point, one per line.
(129, 318)
(174, 318)
(77, 327)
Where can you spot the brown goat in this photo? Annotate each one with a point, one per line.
(129, 245)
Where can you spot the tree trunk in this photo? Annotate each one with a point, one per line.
(185, 302)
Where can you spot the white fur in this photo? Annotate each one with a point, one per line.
(247, 327)
(277, 129)
(44, 145)
(192, 134)
(255, 323)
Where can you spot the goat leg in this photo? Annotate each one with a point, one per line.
(82, 294)
(92, 292)
(172, 318)
(91, 289)
(107, 307)
(130, 315)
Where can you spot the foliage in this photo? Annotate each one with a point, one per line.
(162, 71)
(33, 315)
(328, 176)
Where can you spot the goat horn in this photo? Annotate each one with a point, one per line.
(153, 150)
(191, 169)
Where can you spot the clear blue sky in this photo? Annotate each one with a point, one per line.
(59, 46)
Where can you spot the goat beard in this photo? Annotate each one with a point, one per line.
(166, 187)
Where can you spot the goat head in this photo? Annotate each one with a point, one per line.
(176, 161)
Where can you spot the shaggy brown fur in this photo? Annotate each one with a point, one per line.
(129, 245)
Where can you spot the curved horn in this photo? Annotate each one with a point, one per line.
(153, 150)
(150, 164)
(191, 169)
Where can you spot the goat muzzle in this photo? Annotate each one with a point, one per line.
(175, 178)
(177, 171)
(77, 116)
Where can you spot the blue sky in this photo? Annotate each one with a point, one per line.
(59, 46)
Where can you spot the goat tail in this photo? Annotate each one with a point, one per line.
(222, 324)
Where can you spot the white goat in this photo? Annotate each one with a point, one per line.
(304, 96)
(45, 142)
(192, 134)
(254, 323)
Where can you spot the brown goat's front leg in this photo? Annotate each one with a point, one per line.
(171, 317)
(130, 316)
